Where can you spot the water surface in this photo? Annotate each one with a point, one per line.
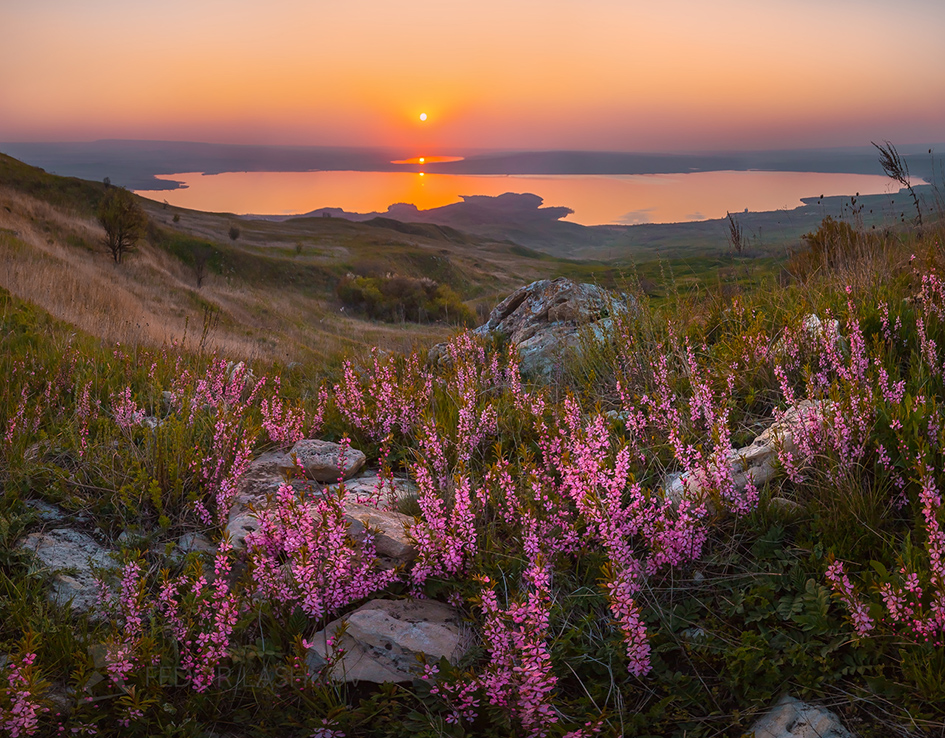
(595, 199)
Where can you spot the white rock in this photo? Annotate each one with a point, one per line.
(384, 637)
(375, 488)
(390, 536)
(325, 461)
(46, 512)
(70, 556)
(791, 718)
(757, 462)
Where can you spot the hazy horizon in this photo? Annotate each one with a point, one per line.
(598, 75)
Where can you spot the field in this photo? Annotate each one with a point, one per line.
(596, 603)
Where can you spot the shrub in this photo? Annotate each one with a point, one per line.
(833, 242)
(397, 299)
(234, 232)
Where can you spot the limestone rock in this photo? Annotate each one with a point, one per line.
(785, 508)
(70, 555)
(384, 638)
(325, 461)
(757, 462)
(261, 479)
(818, 329)
(390, 539)
(543, 321)
(47, 513)
(373, 487)
(242, 374)
(791, 718)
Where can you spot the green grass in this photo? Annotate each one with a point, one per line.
(751, 619)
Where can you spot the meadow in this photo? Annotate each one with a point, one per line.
(597, 605)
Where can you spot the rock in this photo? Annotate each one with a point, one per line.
(542, 320)
(384, 638)
(325, 461)
(150, 422)
(785, 508)
(46, 512)
(791, 718)
(261, 479)
(757, 462)
(169, 401)
(75, 553)
(390, 539)
(818, 329)
(239, 372)
(131, 537)
(372, 487)
(194, 543)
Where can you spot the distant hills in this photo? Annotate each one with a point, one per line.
(134, 164)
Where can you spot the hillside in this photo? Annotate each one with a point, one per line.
(714, 502)
(580, 557)
(269, 293)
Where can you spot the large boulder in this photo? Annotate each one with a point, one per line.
(325, 461)
(791, 718)
(383, 639)
(70, 556)
(543, 321)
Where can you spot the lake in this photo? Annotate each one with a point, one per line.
(595, 199)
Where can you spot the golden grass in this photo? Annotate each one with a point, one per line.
(54, 259)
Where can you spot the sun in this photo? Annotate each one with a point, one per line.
(423, 116)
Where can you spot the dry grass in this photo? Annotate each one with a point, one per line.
(54, 259)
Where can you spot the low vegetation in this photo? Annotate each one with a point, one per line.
(598, 606)
(397, 299)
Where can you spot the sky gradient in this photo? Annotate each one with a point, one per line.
(591, 74)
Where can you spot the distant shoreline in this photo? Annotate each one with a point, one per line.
(135, 164)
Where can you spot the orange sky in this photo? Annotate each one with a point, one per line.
(589, 74)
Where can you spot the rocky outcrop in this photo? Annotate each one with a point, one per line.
(266, 473)
(791, 718)
(324, 461)
(757, 462)
(543, 321)
(383, 639)
(70, 556)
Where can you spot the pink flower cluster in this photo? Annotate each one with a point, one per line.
(302, 556)
(519, 677)
(21, 705)
(125, 410)
(201, 616)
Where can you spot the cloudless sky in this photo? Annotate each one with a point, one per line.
(665, 75)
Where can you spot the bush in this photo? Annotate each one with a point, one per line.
(234, 232)
(833, 243)
(398, 299)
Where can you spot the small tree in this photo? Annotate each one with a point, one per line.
(201, 263)
(123, 220)
(234, 232)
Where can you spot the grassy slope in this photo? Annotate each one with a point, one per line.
(269, 294)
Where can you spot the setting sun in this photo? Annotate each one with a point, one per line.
(423, 116)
